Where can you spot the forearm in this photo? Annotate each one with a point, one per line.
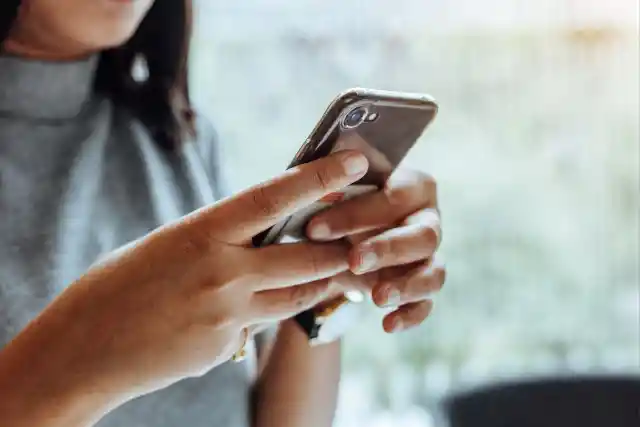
(41, 383)
(299, 384)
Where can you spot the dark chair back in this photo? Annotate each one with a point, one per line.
(568, 402)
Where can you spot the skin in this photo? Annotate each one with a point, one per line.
(185, 315)
(66, 29)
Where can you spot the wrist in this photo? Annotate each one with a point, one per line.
(294, 339)
(329, 321)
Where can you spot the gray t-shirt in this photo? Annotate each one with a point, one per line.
(79, 178)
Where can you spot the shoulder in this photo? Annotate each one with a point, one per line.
(207, 142)
(200, 149)
(206, 138)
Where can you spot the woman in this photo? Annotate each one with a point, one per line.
(91, 159)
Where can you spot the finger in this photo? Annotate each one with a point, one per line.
(405, 193)
(408, 316)
(239, 218)
(358, 287)
(281, 266)
(414, 285)
(348, 282)
(413, 242)
(283, 303)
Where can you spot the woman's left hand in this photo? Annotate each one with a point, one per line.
(395, 234)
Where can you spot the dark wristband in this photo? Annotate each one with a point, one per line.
(307, 321)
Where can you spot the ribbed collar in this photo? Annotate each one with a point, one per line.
(45, 89)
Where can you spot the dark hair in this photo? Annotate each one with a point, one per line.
(162, 101)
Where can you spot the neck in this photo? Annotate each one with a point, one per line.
(35, 45)
(45, 89)
(23, 50)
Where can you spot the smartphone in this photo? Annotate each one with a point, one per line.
(384, 126)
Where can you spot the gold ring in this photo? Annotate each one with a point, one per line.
(241, 354)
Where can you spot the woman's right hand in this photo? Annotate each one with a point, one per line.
(174, 304)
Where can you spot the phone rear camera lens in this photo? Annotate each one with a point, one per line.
(355, 117)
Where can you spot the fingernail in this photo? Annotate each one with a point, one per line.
(392, 297)
(320, 231)
(368, 260)
(397, 324)
(355, 164)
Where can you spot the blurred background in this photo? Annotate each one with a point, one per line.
(536, 150)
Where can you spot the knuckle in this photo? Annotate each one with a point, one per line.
(388, 248)
(401, 196)
(195, 242)
(347, 219)
(231, 282)
(366, 283)
(322, 178)
(312, 256)
(219, 321)
(304, 294)
(216, 306)
(228, 278)
(265, 203)
(297, 294)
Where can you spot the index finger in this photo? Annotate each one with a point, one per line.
(239, 218)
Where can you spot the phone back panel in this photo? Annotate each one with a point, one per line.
(380, 124)
(391, 125)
